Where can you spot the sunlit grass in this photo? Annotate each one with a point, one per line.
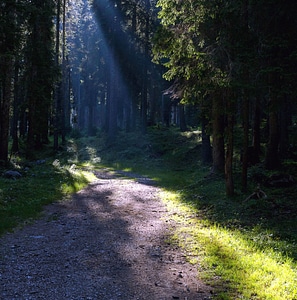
(22, 200)
(229, 257)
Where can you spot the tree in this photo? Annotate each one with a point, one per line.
(274, 24)
(40, 72)
(8, 46)
(193, 45)
(206, 54)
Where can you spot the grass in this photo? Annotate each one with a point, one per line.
(22, 200)
(229, 259)
(244, 249)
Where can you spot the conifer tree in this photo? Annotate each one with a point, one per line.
(8, 46)
(41, 72)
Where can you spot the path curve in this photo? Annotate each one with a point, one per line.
(108, 242)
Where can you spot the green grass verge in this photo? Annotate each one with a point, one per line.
(22, 200)
(229, 259)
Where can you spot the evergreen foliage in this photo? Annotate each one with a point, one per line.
(98, 65)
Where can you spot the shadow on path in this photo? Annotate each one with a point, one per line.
(107, 242)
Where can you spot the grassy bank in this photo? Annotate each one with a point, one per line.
(42, 182)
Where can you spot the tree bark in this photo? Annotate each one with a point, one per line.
(57, 87)
(113, 101)
(256, 132)
(144, 92)
(218, 151)
(229, 152)
(245, 144)
(206, 155)
(272, 160)
(182, 118)
(16, 104)
(285, 117)
(6, 69)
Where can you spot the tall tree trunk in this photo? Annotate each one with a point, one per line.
(40, 74)
(64, 75)
(229, 183)
(272, 160)
(206, 155)
(57, 87)
(229, 150)
(256, 132)
(8, 43)
(16, 104)
(6, 72)
(245, 107)
(285, 117)
(113, 105)
(32, 106)
(218, 152)
(144, 93)
(182, 118)
(245, 144)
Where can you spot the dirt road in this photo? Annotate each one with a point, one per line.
(107, 242)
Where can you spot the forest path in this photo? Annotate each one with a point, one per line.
(107, 242)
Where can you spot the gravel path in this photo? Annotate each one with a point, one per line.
(107, 242)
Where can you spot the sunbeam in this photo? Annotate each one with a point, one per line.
(113, 51)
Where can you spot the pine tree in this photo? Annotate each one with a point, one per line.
(41, 72)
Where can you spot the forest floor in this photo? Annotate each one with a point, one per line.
(109, 241)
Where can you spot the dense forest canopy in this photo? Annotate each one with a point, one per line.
(227, 68)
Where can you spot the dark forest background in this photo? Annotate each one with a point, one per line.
(224, 68)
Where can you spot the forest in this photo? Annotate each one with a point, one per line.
(152, 77)
(225, 68)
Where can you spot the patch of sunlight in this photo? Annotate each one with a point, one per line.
(231, 256)
(75, 178)
(89, 176)
(191, 134)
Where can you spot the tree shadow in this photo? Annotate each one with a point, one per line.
(88, 247)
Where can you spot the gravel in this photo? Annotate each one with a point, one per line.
(107, 242)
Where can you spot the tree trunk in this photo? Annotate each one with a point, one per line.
(229, 151)
(285, 116)
(206, 155)
(57, 87)
(64, 75)
(113, 105)
(256, 132)
(182, 118)
(15, 118)
(6, 69)
(245, 144)
(272, 160)
(144, 92)
(218, 150)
